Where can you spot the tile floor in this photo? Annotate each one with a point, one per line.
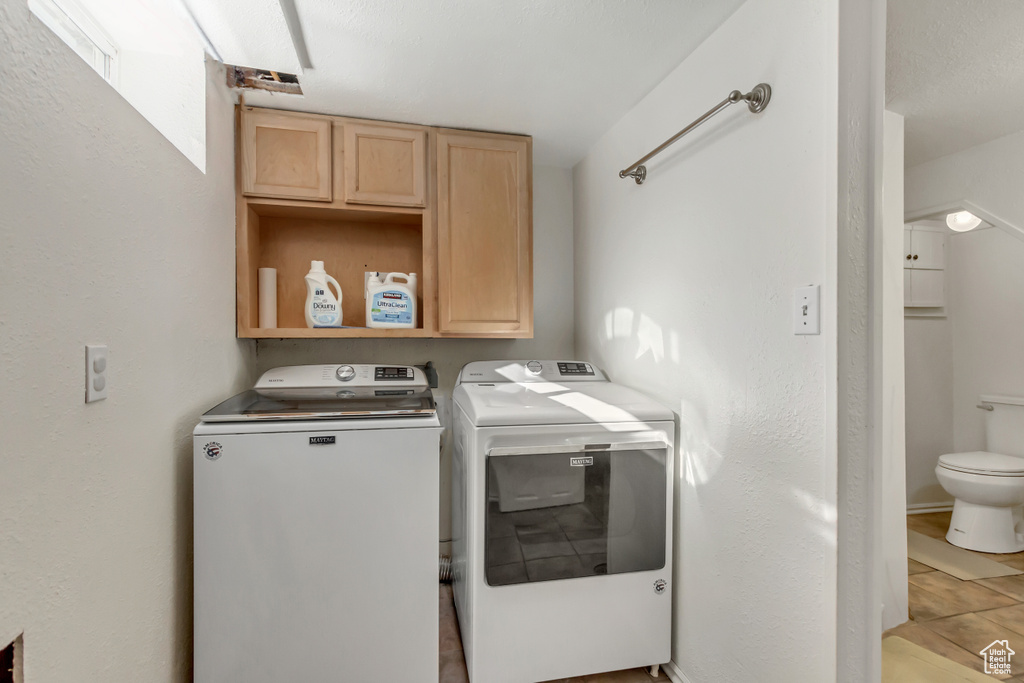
(955, 618)
(453, 664)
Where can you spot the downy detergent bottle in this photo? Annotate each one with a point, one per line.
(322, 308)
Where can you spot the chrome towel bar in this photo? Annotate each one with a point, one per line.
(757, 99)
(986, 406)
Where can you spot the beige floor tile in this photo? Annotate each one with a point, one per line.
(934, 524)
(449, 638)
(930, 640)
(967, 596)
(1012, 586)
(925, 605)
(973, 633)
(915, 567)
(905, 662)
(1010, 617)
(1016, 560)
(452, 668)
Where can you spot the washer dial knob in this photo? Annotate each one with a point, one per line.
(345, 373)
(534, 367)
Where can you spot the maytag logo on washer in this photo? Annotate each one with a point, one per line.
(582, 461)
(659, 586)
(317, 440)
(212, 450)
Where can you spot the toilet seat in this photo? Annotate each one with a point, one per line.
(984, 463)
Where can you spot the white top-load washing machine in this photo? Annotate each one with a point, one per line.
(562, 522)
(316, 529)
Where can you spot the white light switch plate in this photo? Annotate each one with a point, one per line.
(95, 373)
(807, 310)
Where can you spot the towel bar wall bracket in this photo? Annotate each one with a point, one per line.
(757, 99)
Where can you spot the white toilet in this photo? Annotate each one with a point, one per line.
(989, 485)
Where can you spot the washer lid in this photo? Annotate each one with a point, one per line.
(983, 462)
(538, 403)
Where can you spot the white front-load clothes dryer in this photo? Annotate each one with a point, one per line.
(316, 508)
(562, 522)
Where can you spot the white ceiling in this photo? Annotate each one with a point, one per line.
(563, 72)
(955, 70)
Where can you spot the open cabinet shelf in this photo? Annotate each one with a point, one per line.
(349, 242)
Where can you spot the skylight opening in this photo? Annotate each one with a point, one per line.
(75, 27)
(150, 52)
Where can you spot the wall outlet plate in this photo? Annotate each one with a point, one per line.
(95, 372)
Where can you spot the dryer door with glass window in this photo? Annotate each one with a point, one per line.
(566, 512)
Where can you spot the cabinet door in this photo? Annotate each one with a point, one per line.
(924, 288)
(927, 249)
(286, 156)
(385, 165)
(485, 239)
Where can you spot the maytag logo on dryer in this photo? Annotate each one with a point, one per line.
(659, 586)
(581, 461)
(213, 450)
(319, 440)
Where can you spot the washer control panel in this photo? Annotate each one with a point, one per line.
(347, 375)
(400, 373)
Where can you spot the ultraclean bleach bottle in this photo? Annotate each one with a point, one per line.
(322, 308)
(391, 304)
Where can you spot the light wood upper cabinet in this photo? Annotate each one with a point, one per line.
(485, 241)
(285, 156)
(385, 165)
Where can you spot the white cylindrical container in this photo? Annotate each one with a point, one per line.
(268, 297)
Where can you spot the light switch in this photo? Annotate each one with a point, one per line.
(95, 373)
(807, 310)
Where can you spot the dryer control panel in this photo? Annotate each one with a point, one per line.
(502, 371)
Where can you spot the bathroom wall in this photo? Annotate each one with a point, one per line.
(987, 315)
(929, 420)
(552, 320)
(684, 290)
(110, 236)
(975, 350)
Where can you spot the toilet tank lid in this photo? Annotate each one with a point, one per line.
(982, 462)
(1003, 400)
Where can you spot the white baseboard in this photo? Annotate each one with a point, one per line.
(924, 508)
(673, 673)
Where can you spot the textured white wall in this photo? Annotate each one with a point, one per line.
(895, 603)
(552, 319)
(684, 290)
(111, 236)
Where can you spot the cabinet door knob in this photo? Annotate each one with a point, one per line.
(915, 257)
(908, 257)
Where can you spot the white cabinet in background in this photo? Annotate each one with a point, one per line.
(924, 262)
(924, 248)
(924, 288)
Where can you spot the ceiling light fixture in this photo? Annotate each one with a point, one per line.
(962, 221)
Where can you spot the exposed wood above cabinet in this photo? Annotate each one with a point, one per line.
(454, 207)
